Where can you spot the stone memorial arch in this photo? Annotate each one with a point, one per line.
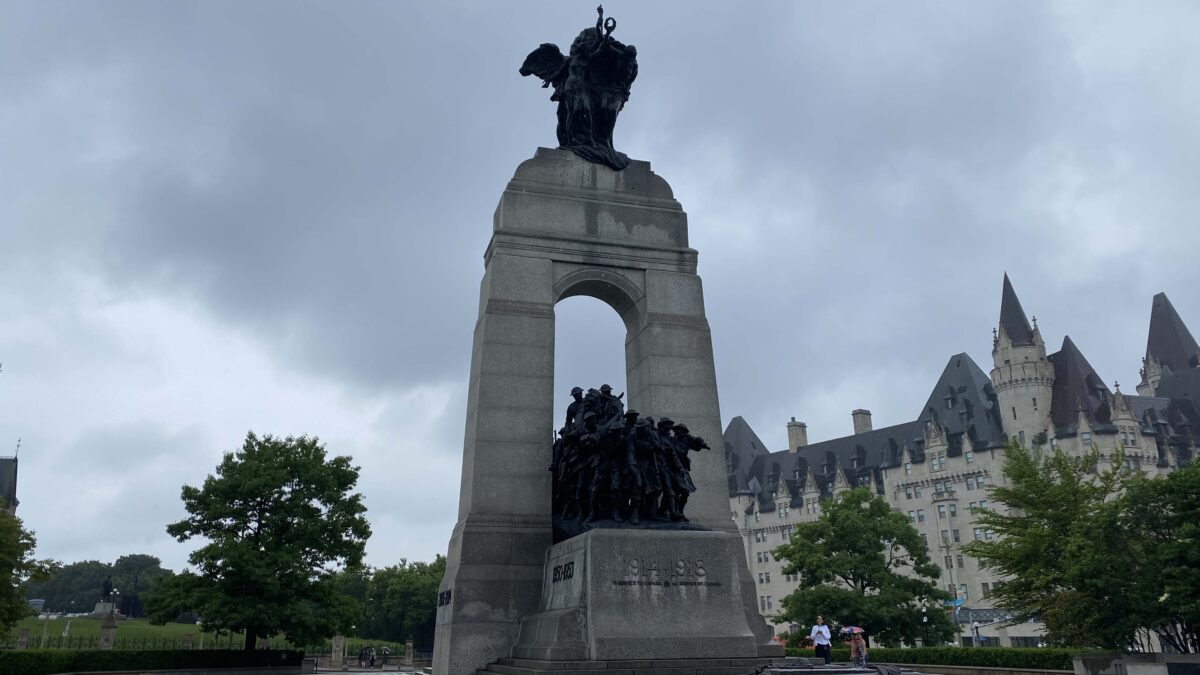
(565, 227)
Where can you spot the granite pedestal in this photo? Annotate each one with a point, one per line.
(567, 227)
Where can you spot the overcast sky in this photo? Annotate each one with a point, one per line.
(224, 216)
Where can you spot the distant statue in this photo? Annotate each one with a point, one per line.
(106, 589)
(591, 86)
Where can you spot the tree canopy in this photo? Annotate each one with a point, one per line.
(863, 564)
(76, 587)
(278, 518)
(17, 566)
(1101, 557)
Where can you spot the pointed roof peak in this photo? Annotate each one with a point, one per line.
(1076, 387)
(1012, 316)
(1170, 342)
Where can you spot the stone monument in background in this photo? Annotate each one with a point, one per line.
(589, 221)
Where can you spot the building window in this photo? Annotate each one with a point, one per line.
(786, 535)
(969, 455)
(972, 506)
(1053, 442)
(1035, 405)
(954, 534)
(937, 463)
(769, 603)
(980, 482)
(988, 534)
(912, 516)
(1086, 438)
(1021, 437)
(1014, 412)
(962, 592)
(760, 578)
(917, 491)
(945, 536)
(907, 468)
(983, 504)
(762, 603)
(1133, 438)
(941, 510)
(949, 562)
(908, 492)
(758, 557)
(971, 483)
(768, 575)
(920, 515)
(987, 590)
(953, 510)
(756, 516)
(924, 539)
(978, 532)
(959, 560)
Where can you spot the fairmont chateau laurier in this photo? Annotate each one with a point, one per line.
(937, 468)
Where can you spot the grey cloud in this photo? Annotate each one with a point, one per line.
(319, 179)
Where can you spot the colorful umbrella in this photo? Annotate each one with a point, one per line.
(848, 630)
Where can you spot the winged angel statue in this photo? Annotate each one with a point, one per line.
(591, 86)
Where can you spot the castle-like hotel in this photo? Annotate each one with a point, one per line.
(938, 467)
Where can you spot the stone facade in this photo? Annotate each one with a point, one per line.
(937, 468)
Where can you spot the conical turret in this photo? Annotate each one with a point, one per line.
(1022, 377)
(1170, 347)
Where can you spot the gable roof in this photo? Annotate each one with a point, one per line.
(1077, 387)
(963, 402)
(742, 447)
(1012, 316)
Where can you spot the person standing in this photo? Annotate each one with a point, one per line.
(858, 650)
(820, 638)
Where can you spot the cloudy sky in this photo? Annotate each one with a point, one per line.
(224, 216)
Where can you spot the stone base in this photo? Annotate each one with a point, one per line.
(623, 595)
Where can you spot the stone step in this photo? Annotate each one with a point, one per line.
(537, 664)
(741, 666)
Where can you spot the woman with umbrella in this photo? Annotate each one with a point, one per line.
(858, 646)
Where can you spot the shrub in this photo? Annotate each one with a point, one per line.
(837, 654)
(1036, 658)
(50, 661)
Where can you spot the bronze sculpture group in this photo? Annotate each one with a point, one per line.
(611, 463)
(591, 85)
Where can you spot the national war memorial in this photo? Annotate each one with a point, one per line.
(623, 555)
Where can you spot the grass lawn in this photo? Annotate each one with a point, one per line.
(141, 630)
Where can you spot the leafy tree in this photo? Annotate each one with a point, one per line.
(17, 566)
(861, 563)
(1162, 518)
(1062, 548)
(278, 518)
(76, 587)
(72, 588)
(402, 602)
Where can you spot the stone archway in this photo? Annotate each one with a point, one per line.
(567, 227)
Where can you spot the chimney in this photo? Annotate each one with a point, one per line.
(797, 435)
(862, 421)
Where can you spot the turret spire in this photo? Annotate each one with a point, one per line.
(1170, 343)
(1012, 317)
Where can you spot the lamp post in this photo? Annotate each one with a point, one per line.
(116, 595)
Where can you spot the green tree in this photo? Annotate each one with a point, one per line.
(1063, 549)
(1162, 518)
(17, 566)
(863, 564)
(402, 602)
(72, 588)
(278, 518)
